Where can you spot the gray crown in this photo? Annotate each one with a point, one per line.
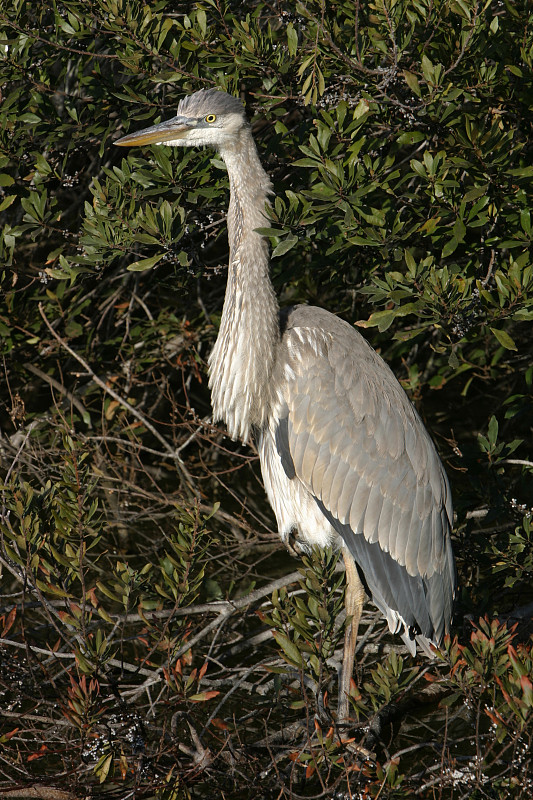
(209, 101)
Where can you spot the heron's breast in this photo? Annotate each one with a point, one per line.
(296, 510)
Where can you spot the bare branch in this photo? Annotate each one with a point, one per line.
(172, 452)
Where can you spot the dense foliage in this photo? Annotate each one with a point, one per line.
(136, 541)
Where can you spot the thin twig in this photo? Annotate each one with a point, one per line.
(63, 390)
(235, 685)
(38, 793)
(172, 452)
(238, 605)
(112, 662)
(355, 65)
(22, 445)
(229, 609)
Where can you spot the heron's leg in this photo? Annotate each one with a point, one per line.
(354, 599)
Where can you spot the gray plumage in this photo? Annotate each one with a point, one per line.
(348, 436)
(345, 458)
(208, 101)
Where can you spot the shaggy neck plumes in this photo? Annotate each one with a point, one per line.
(240, 365)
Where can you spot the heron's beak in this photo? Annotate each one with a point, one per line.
(176, 128)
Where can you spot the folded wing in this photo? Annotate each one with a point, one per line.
(348, 432)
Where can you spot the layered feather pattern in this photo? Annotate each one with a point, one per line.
(346, 431)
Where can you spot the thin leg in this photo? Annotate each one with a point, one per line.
(354, 599)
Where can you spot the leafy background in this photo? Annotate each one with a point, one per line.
(155, 639)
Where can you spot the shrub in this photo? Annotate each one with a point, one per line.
(136, 539)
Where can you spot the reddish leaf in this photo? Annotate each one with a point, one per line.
(202, 672)
(219, 723)
(42, 751)
(91, 594)
(201, 697)
(9, 620)
(527, 688)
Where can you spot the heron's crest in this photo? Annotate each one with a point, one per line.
(209, 101)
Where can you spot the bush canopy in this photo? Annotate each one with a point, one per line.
(155, 639)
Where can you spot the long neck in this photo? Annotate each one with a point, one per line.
(240, 366)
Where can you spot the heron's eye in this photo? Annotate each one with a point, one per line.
(211, 118)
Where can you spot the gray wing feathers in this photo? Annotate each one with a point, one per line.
(354, 440)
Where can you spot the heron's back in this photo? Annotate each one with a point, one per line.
(351, 454)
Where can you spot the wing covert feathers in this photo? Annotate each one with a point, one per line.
(345, 428)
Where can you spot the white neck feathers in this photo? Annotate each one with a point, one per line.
(240, 365)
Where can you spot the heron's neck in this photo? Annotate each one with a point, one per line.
(240, 366)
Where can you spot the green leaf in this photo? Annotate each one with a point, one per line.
(292, 39)
(306, 162)
(6, 202)
(450, 247)
(428, 69)
(493, 431)
(418, 167)
(522, 172)
(284, 246)
(289, 648)
(270, 231)
(361, 109)
(380, 319)
(144, 264)
(525, 221)
(29, 117)
(504, 339)
(523, 315)
(411, 137)
(103, 766)
(412, 82)
(476, 192)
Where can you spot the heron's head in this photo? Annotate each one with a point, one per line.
(208, 117)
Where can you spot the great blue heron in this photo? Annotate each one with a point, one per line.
(346, 460)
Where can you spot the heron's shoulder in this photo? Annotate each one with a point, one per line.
(314, 318)
(312, 330)
(312, 324)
